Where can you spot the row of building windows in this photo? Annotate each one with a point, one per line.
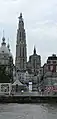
(51, 62)
(52, 68)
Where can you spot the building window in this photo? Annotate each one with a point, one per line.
(23, 51)
(20, 51)
(20, 63)
(48, 62)
(2, 51)
(34, 63)
(20, 34)
(51, 67)
(48, 68)
(23, 63)
(54, 62)
(56, 68)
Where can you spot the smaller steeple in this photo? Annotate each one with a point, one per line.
(3, 39)
(8, 46)
(20, 15)
(20, 18)
(21, 22)
(34, 50)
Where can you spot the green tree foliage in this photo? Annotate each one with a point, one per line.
(4, 76)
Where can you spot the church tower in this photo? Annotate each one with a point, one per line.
(21, 51)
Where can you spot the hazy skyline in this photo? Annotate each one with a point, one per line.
(40, 19)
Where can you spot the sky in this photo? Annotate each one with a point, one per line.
(40, 19)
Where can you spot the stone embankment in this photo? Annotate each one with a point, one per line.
(28, 98)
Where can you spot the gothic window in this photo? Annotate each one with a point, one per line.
(20, 50)
(54, 62)
(20, 63)
(51, 67)
(23, 51)
(34, 63)
(20, 35)
(56, 68)
(48, 62)
(23, 63)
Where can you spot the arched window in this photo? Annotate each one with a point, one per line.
(20, 50)
(23, 63)
(23, 51)
(20, 34)
(16, 87)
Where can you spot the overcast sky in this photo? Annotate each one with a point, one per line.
(40, 18)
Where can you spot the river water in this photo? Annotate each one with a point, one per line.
(28, 111)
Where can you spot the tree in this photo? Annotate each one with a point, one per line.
(4, 76)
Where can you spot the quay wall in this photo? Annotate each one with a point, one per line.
(28, 99)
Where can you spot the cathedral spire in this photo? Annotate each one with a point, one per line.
(3, 39)
(8, 46)
(34, 50)
(21, 22)
(21, 51)
(20, 15)
(21, 36)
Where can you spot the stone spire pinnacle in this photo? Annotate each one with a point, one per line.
(34, 50)
(20, 15)
(21, 22)
(8, 45)
(3, 39)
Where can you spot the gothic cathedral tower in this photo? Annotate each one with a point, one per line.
(21, 51)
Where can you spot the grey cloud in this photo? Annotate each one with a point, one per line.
(40, 19)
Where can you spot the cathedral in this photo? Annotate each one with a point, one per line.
(22, 71)
(34, 63)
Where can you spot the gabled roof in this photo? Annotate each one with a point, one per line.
(17, 82)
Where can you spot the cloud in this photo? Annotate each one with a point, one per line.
(40, 18)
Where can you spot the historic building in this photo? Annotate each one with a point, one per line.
(6, 69)
(51, 65)
(6, 61)
(26, 71)
(21, 51)
(34, 63)
(50, 73)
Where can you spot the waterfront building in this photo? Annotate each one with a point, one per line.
(6, 60)
(50, 73)
(52, 63)
(6, 68)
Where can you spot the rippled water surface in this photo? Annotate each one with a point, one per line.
(28, 111)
